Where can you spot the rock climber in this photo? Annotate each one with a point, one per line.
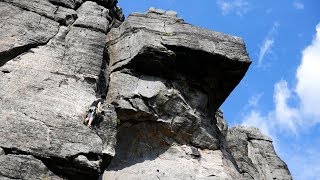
(95, 111)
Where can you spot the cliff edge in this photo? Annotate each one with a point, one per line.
(164, 80)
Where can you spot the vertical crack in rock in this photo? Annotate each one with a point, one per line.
(103, 78)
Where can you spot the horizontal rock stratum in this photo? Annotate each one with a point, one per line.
(164, 80)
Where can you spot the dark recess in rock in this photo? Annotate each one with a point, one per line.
(65, 168)
(13, 53)
(70, 170)
(227, 73)
(103, 77)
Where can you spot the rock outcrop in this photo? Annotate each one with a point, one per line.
(164, 80)
(167, 80)
(255, 155)
(53, 63)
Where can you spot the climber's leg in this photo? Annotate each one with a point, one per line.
(90, 121)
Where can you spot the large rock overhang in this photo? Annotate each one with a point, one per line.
(166, 46)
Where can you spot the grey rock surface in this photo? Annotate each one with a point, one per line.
(255, 155)
(50, 74)
(44, 8)
(221, 122)
(24, 167)
(148, 98)
(93, 16)
(164, 98)
(164, 80)
(175, 46)
(22, 30)
(152, 155)
(66, 3)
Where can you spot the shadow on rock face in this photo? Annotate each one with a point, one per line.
(149, 150)
(139, 142)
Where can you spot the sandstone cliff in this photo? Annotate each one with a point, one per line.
(164, 80)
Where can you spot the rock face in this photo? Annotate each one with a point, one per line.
(255, 155)
(164, 80)
(49, 75)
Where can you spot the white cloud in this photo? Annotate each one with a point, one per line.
(282, 117)
(298, 5)
(285, 116)
(301, 156)
(255, 119)
(239, 7)
(304, 160)
(253, 102)
(265, 48)
(268, 42)
(308, 78)
(274, 28)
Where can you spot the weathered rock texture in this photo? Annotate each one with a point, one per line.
(50, 73)
(164, 80)
(255, 155)
(167, 78)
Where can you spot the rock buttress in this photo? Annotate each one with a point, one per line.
(167, 80)
(255, 155)
(53, 64)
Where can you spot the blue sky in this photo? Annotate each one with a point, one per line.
(280, 93)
